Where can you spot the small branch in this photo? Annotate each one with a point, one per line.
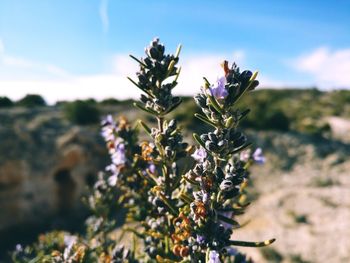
(252, 244)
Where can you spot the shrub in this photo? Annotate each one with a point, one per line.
(110, 101)
(31, 100)
(179, 214)
(5, 102)
(276, 120)
(82, 112)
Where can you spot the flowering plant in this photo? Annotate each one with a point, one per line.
(176, 214)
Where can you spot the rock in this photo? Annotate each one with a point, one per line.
(45, 166)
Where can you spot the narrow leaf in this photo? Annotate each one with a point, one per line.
(198, 140)
(139, 61)
(142, 89)
(252, 244)
(145, 126)
(204, 119)
(138, 105)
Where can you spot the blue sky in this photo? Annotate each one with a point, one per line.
(67, 49)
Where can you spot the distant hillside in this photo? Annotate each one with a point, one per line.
(308, 111)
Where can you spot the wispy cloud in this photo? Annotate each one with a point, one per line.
(2, 46)
(115, 83)
(8, 61)
(328, 68)
(103, 11)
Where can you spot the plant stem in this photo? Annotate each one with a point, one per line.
(160, 123)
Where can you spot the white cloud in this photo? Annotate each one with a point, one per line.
(328, 68)
(115, 84)
(81, 87)
(2, 46)
(195, 67)
(22, 65)
(103, 11)
(268, 82)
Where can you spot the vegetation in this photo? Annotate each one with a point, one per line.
(179, 213)
(300, 110)
(5, 102)
(31, 100)
(82, 112)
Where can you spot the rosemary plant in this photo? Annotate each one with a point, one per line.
(174, 214)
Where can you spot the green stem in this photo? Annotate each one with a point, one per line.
(252, 244)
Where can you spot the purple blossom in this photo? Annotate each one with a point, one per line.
(200, 154)
(118, 157)
(245, 155)
(258, 156)
(227, 214)
(108, 133)
(152, 168)
(214, 257)
(108, 129)
(200, 239)
(232, 251)
(108, 120)
(69, 241)
(19, 248)
(218, 90)
(112, 168)
(112, 180)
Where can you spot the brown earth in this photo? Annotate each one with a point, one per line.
(301, 196)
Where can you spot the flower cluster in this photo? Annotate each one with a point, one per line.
(221, 169)
(58, 247)
(203, 204)
(180, 201)
(154, 70)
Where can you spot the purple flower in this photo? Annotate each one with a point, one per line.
(112, 180)
(227, 214)
(218, 90)
(19, 248)
(118, 157)
(214, 257)
(69, 241)
(200, 154)
(152, 168)
(108, 133)
(258, 156)
(108, 120)
(245, 155)
(108, 128)
(232, 251)
(200, 239)
(112, 168)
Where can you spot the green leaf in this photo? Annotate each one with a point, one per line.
(139, 61)
(138, 105)
(228, 220)
(239, 149)
(252, 244)
(198, 140)
(173, 107)
(190, 181)
(204, 119)
(145, 126)
(244, 113)
(178, 50)
(142, 89)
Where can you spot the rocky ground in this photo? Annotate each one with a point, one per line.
(46, 164)
(301, 196)
(302, 200)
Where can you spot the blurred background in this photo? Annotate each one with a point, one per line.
(63, 66)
